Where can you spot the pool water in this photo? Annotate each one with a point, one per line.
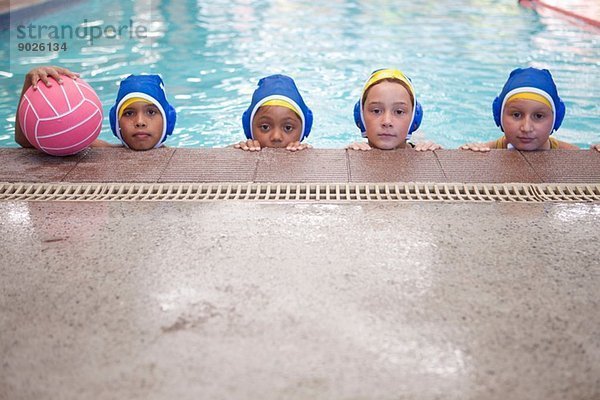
(211, 55)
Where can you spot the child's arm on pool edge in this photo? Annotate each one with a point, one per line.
(254, 145)
(481, 147)
(427, 146)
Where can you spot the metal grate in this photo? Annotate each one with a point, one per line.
(453, 192)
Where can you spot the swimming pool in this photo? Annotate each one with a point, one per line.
(211, 54)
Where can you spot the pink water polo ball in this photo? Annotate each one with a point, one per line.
(61, 119)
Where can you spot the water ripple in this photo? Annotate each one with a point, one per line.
(211, 55)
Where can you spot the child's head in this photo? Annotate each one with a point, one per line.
(277, 115)
(388, 112)
(528, 109)
(142, 118)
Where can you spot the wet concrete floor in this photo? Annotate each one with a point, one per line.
(234, 300)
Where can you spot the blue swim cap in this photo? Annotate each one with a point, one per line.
(149, 88)
(275, 88)
(388, 73)
(534, 82)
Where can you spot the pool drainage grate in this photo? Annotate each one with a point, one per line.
(453, 192)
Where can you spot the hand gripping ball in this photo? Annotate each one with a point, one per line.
(61, 119)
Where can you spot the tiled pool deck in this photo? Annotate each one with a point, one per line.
(299, 300)
(314, 165)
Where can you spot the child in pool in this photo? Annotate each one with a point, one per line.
(142, 118)
(277, 116)
(388, 112)
(527, 110)
(141, 104)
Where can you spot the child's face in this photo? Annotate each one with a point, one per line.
(527, 124)
(276, 126)
(141, 125)
(387, 112)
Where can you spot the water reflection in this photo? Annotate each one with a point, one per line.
(575, 212)
(211, 54)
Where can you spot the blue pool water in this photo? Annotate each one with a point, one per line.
(211, 54)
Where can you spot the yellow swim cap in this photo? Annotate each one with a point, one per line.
(282, 103)
(129, 102)
(530, 96)
(388, 74)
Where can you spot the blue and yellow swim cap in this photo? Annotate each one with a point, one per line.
(277, 90)
(531, 84)
(146, 88)
(377, 76)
